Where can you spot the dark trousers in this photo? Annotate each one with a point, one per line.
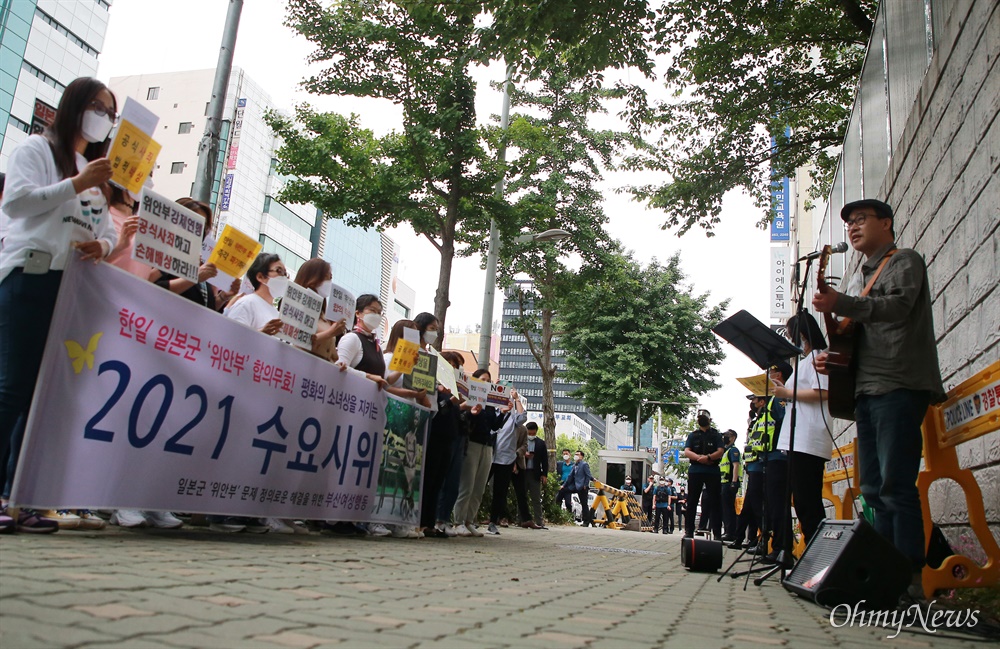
(501, 482)
(889, 447)
(521, 494)
(647, 509)
(806, 474)
(663, 520)
(705, 519)
(729, 491)
(778, 522)
(27, 303)
(708, 482)
(752, 515)
(588, 513)
(436, 464)
(565, 496)
(452, 480)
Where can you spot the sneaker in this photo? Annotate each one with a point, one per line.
(7, 524)
(378, 529)
(504, 522)
(404, 532)
(450, 530)
(279, 526)
(492, 529)
(163, 520)
(473, 530)
(90, 521)
(65, 519)
(255, 525)
(128, 518)
(228, 525)
(30, 521)
(298, 527)
(462, 530)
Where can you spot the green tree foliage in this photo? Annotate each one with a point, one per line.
(436, 174)
(742, 72)
(633, 333)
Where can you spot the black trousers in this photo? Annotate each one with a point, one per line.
(729, 491)
(806, 474)
(588, 513)
(436, 465)
(521, 494)
(647, 508)
(710, 483)
(779, 524)
(501, 482)
(752, 514)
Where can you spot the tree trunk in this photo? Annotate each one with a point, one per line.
(548, 393)
(442, 296)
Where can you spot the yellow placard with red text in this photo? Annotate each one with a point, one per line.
(234, 252)
(404, 357)
(132, 156)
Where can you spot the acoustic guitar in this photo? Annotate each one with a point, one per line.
(842, 338)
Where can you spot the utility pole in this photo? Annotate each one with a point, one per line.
(208, 148)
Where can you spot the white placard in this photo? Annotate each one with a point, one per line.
(300, 309)
(169, 236)
(340, 305)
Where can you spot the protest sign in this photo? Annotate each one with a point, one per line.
(445, 373)
(340, 305)
(424, 373)
(168, 236)
(300, 309)
(400, 478)
(462, 381)
(174, 407)
(133, 151)
(758, 384)
(498, 395)
(404, 356)
(232, 256)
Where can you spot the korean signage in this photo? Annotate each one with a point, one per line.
(41, 117)
(133, 151)
(169, 237)
(780, 200)
(984, 402)
(177, 408)
(424, 373)
(780, 285)
(232, 255)
(300, 309)
(234, 142)
(227, 193)
(340, 305)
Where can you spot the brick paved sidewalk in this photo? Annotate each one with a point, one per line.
(565, 587)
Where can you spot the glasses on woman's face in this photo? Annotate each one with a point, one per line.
(278, 271)
(104, 111)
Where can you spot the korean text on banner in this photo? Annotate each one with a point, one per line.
(300, 309)
(340, 305)
(424, 373)
(169, 236)
(177, 408)
(233, 254)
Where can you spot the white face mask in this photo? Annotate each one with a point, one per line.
(324, 289)
(430, 337)
(95, 128)
(565, 458)
(372, 320)
(532, 435)
(277, 286)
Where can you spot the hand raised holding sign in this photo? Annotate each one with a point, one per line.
(97, 172)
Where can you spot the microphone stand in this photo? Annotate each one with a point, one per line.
(785, 559)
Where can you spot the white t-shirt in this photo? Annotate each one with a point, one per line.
(44, 211)
(388, 359)
(811, 435)
(253, 311)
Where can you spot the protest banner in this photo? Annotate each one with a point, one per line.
(404, 356)
(133, 151)
(424, 374)
(232, 256)
(340, 305)
(300, 309)
(169, 236)
(445, 373)
(397, 498)
(153, 402)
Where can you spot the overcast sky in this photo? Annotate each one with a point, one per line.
(151, 36)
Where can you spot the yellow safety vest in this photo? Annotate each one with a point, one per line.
(762, 435)
(725, 466)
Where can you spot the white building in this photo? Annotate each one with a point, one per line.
(567, 423)
(44, 45)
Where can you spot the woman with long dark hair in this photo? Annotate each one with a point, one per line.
(317, 275)
(55, 198)
(813, 442)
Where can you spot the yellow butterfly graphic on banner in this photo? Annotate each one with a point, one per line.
(81, 356)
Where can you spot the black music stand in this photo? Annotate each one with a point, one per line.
(765, 348)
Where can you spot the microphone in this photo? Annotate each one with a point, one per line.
(840, 247)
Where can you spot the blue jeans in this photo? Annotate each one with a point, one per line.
(26, 306)
(889, 447)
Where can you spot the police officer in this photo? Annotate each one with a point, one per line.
(729, 467)
(752, 515)
(704, 449)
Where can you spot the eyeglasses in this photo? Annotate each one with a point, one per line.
(859, 220)
(278, 271)
(104, 111)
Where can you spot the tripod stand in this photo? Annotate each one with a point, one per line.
(765, 348)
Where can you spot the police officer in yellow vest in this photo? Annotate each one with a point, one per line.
(731, 474)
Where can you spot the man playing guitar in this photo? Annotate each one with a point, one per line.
(896, 371)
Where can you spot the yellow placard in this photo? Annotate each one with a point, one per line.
(757, 384)
(234, 252)
(132, 157)
(404, 357)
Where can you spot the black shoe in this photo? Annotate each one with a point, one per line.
(735, 545)
(728, 539)
(760, 550)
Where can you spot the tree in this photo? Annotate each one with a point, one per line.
(590, 449)
(436, 174)
(634, 333)
(559, 162)
(742, 73)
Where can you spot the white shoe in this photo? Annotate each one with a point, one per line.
(460, 530)
(65, 518)
(403, 532)
(297, 526)
(473, 530)
(378, 529)
(162, 520)
(128, 518)
(450, 530)
(278, 526)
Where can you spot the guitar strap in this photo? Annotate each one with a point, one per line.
(846, 322)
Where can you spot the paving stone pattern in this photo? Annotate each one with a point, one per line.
(565, 587)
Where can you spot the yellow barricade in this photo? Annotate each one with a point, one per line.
(837, 471)
(618, 511)
(971, 410)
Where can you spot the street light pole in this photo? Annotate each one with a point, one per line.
(486, 328)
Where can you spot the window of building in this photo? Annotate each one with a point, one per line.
(18, 124)
(185, 128)
(287, 217)
(177, 168)
(153, 93)
(37, 72)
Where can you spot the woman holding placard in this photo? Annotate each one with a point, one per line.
(317, 275)
(55, 198)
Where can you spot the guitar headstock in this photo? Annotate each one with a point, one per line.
(824, 259)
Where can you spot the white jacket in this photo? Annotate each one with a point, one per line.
(44, 210)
